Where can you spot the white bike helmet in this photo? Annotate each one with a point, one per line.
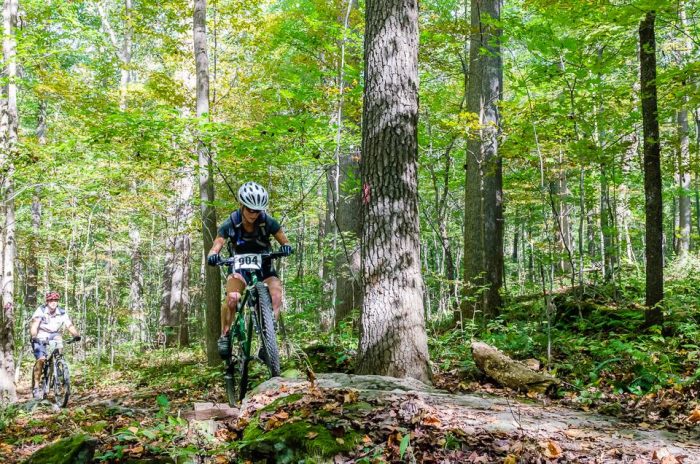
(253, 195)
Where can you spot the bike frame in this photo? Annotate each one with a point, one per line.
(238, 328)
(245, 323)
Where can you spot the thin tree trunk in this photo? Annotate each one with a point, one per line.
(348, 291)
(392, 332)
(33, 262)
(684, 215)
(624, 212)
(652, 172)
(166, 320)
(684, 210)
(180, 277)
(9, 121)
(212, 289)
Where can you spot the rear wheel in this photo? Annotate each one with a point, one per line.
(268, 337)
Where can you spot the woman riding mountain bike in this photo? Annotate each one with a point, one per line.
(247, 231)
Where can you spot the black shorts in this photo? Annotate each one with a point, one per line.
(268, 270)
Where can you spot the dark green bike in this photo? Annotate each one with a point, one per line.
(254, 314)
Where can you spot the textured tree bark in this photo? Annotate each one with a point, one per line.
(212, 288)
(9, 121)
(508, 372)
(392, 333)
(483, 240)
(652, 172)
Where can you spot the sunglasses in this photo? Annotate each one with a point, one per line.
(253, 211)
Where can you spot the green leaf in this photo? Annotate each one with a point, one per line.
(404, 444)
(162, 401)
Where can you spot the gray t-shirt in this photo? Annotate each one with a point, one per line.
(51, 325)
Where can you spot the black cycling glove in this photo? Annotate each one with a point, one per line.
(214, 259)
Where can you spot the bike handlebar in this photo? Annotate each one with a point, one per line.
(271, 255)
(46, 342)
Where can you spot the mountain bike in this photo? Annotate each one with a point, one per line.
(253, 314)
(55, 376)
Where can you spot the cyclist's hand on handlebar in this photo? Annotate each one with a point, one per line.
(213, 259)
(77, 338)
(286, 249)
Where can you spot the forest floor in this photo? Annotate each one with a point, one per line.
(138, 413)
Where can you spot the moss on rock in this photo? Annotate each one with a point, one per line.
(77, 449)
(295, 440)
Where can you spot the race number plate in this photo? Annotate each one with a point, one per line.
(248, 261)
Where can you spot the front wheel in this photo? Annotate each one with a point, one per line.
(59, 383)
(268, 337)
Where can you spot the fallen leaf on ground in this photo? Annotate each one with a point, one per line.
(282, 415)
(311, 435)
(551, 449)
(576, 433)
(694, 416)
(431, 421)
(664, 456)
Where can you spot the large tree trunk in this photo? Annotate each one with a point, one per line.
(483, 239)
(652, 172)
(212, 288)
(9, 121)
(392, 333)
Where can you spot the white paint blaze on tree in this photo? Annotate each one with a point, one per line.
(392, 340)
(9, 120)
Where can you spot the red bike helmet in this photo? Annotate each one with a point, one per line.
(52, 296)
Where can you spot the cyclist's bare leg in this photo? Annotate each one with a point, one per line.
(274, 285)
(234, 288)
(36, 374)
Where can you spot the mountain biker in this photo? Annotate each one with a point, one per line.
(248, 230)
(47, 323)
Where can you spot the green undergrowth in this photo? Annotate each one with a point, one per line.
(598, 342)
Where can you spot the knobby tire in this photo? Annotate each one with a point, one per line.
(245, 357)
(231, 375)
(268, 337)
(62, 384)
